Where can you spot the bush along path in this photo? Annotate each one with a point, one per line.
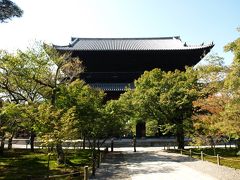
(221, 156)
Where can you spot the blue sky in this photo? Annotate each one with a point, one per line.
(56, 21)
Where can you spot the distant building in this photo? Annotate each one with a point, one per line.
(112, 64)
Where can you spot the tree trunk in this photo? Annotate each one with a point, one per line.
(2, 145)
(98, 145)
(60, 153)
(93, 158)
(32, 138)
(180, 135)
(214, 150)
(53, 98)
(93, 163)
(84, 142)
(238, 144)
(10, 141)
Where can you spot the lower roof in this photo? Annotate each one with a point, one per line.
(112, 86)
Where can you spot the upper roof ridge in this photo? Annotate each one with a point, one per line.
(73, 39)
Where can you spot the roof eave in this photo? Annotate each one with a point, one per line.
(68, 48)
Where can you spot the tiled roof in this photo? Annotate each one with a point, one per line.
(112, 86)
(163, 43)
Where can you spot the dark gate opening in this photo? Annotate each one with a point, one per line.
(141, 130)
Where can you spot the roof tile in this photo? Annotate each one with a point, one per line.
(164, 43)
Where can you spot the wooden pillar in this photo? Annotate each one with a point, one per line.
(218, 159)
(85, 172)
(202, 158)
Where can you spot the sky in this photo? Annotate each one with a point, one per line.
(56, 21)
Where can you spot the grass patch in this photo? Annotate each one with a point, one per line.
(18, 163)
(228, 156)
(74, 157)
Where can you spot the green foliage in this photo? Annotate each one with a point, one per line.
(165, 96)
(152, 128)
(234, 47)
(11, 117)
(162, 99)
(35, 74)
(121, 111)
(230, 124)
(211, 75)
(49, 69)
(117, 124)
(232, 82)
(55, 125)
(15, 80)
(87, 103)
(29, 115)
(216, 113)
(94, 120)
(209, 106)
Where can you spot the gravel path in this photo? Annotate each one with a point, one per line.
(154, 163)
(206, 168)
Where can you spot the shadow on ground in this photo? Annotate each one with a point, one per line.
(120, 165)
(113, 167)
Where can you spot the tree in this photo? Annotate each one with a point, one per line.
(207, 119)
(16, 83)
(122, 110)
(232, 81)
(211, 103)
(18, 86)
(36, 75)
(216, 113)
(55, 126)
(234, 47)
(230, 124)
(10, 120)
(8, 10)
(232, 90)
(216, 116)
(211, 75)
(50, 70)
(53, 69)
(87, 102)
(165, 97)
(93, 120)
(30, 122)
